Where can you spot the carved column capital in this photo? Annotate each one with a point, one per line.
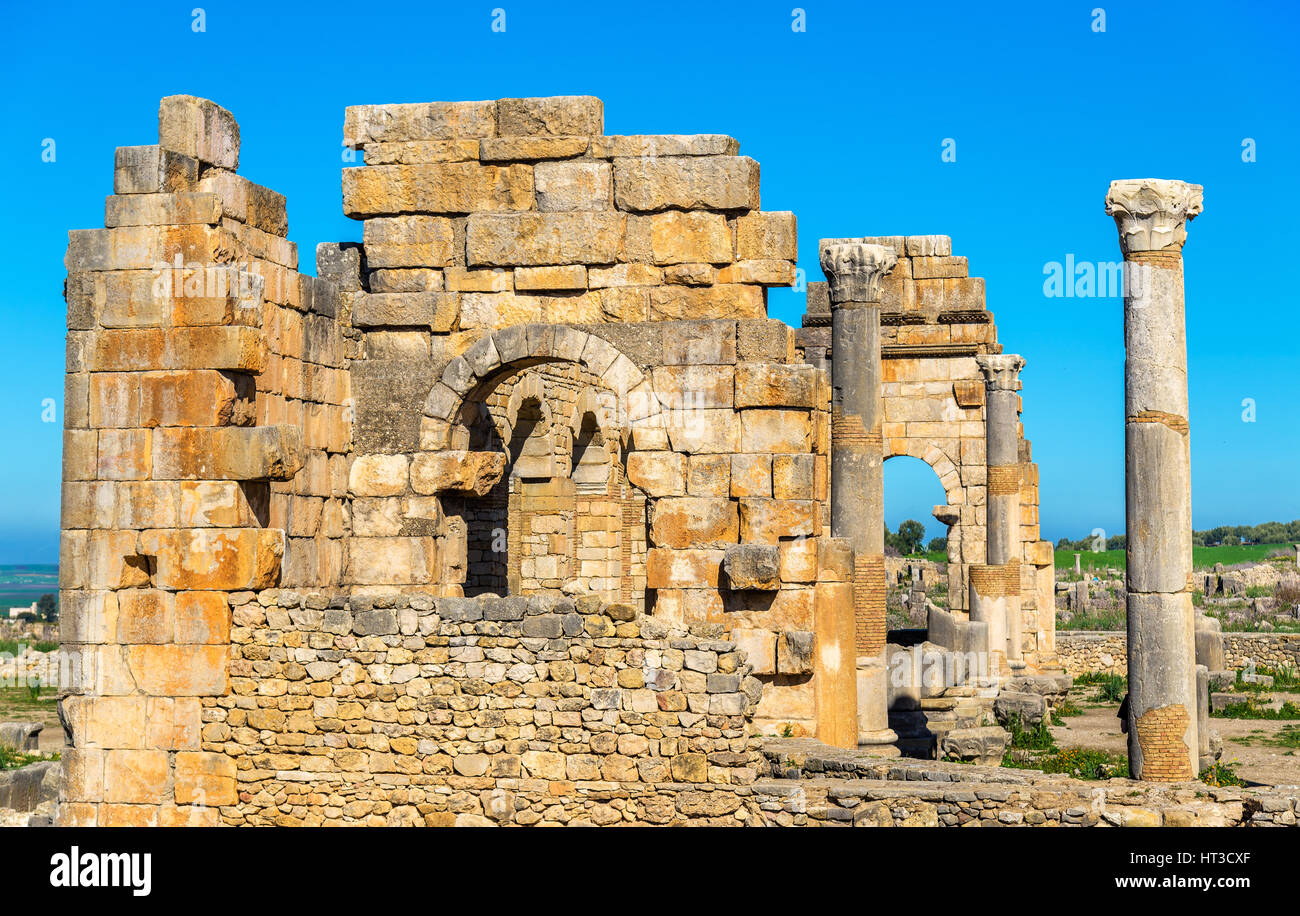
(1152, 213)
(855, 269)
(1001, 370)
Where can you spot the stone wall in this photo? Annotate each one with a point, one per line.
(360, 710)
(1082, 651)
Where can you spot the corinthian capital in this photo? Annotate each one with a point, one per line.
(1152, 213)
(1001, 370)
(855, 269)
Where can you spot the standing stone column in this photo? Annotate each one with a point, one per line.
(1163, 740)
(855, 270)
(995, 587)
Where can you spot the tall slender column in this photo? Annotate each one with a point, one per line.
(1151, 215)
(995, 587)
(855, 270)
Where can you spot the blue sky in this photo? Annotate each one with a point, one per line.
(847, 119)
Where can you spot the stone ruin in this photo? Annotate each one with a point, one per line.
(522, 509)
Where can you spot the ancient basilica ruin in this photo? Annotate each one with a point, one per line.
(523, 511)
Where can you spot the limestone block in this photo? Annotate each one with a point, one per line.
(225, 559)
(928, 268)
(794, 652)
(153, 170)
(418, 152)
(435, 310)
(682, 522)
(531, 149)
(200, 129)
(555, 116)
(145, 616)
(175, 209)
(684, 303)
(409, 241)
(765, 521)
(658, 473)
(378, 475)
(752, 567)
(526, 239)
(195, 398)
(124, 454)
(798, 560)
(686, 182)
(760, 385)
(759, 647)
(751, 475)
(656, 145)
(703, 432)
(691, 274)
(135, 776)
(458, 279)
(145, 247)
(456, 471)
(236, 348)
(678, 237)
(485, 311)
(695, 343)
(774, 431)
(982, 745)
(366, 125)
(927, 246)
(242, 200)
(621, 275)
(708, 475)
(406, 280)
(688, 388)
(176, 671)
(443, 187)
(767, 236)
(577, 185)
(205, 778)
(1029, 707)
(793, 476)
(765, 340)
(391, 561)
(202, 618)
(547, 278)
(763, 273)
(228, 453)
(668, 568)
(340, 262)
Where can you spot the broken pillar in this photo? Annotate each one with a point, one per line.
(855, 271)
(1151, 215)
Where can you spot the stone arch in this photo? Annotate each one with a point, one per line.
(574, 521)
(509, 350)
(958, 512)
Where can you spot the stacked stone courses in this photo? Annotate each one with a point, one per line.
(518, 511)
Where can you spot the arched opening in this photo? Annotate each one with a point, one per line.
(915, 553)
(562, 518)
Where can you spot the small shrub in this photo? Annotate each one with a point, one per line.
(1038, 738)
(44, 645)
(1222, 774)
(1065, 710)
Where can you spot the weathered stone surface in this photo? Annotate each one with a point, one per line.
(686, 182)
(435, 188)
(693, 522)
(459, 471)
(409, 241)
(753, 567)
(199, 129)
(555, 116)
(436, 311)
(507, 239)
(656, 145)
(578, 185)
(366, 125)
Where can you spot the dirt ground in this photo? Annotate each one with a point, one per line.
(1243, 739)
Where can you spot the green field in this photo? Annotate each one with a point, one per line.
(1202, 557)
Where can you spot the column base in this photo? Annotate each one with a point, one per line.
(879, 743)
